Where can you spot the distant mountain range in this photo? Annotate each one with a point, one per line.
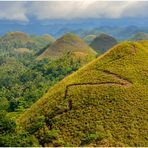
(120, 28)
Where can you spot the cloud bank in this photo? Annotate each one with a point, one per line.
(13, 11)
(45, 10)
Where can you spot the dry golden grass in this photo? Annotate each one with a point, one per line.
(67, 43)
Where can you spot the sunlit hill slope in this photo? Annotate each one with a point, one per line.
(105, 103)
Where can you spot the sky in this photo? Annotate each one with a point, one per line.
(46, 10)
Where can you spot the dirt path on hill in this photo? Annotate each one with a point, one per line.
(133, 49)
(118, 77)
(124, 82)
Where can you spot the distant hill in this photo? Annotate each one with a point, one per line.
(44, 39)
(14, 40)
(16, 36)
(103, 42)
(89, 38)
(48, 37)
(65, 44)
(139, 36)
(102, 104)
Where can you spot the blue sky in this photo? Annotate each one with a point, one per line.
(24, 11)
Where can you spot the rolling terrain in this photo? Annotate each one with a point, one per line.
(103, 42)
(19, 40)
(102, 104)
(23, 79)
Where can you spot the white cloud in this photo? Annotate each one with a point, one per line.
(72, 9)
(13, 11)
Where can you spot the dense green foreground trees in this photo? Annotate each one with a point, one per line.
(10, 136)
(24, 79)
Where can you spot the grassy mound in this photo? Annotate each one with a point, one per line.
(103, 42)
(67, 43)
(44, 39)
(16, 36)
(48, 37)
(14, 40)
(139, 36)
(89, 38)
(102, 104)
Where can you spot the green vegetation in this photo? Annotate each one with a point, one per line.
(10, 136)
(102, 104)
(19, 40)
(90, 107)
(68, 43)
(103, 42)
(23, 79)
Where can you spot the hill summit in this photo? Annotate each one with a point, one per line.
(48, 37)
(13, 36)
(103, 42)
(67, 43)
(102, 104)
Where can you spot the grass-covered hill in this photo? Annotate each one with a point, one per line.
(139, 36)
(105, 103)
(89, 38)
(12, 36)
(103, 42)
(44, 39)
(23, 37)
(23, 79)
(68, 43)
(14, 40)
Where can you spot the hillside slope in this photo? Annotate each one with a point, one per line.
(102, 104)
(67, 43)
(103, 42)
